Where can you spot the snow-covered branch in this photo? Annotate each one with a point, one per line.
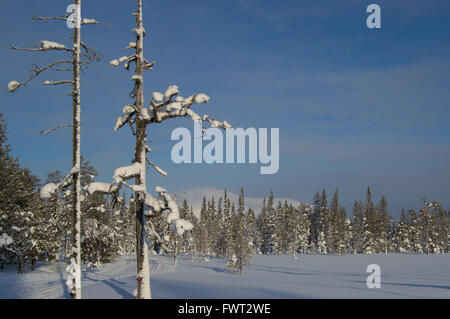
(164, 107)
(179, 225)
(126, 172)
(148, 65)
(47, 19)
(51, 188)
(119, 61)
(58, 82)
(86, 21)
(14, 85)
(150, 228)
(157, 168)
(5, 240)
(45, 132)
(45, 46)
(128, 112)
(102, 188)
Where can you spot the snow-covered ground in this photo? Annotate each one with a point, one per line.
(402, 276)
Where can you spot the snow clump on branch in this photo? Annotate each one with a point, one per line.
(49, 45)
(126, 172)
(48, 190)
(13, 85)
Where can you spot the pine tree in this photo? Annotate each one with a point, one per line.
(127, 217)
(369, 244)
(426, 226)
(227, 228)
(299, 228)
(315, 221)
(17, 198)
(385, 226)
(402, 234)
(219, 238)
(324, 213)
(415, 229)
(334, 234)
(190, 244)
(442, 227)
(263, 229)
(287, 228)
(211, 226)
(252, 231)
(279, 233)
(57, 208)
(203, 239)
(242, 250)
(321, 243)
(271, 225)
(340, 231)
(162, 107)
(78, 58)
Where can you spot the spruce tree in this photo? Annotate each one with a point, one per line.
(324, 213)
(242, 251)
(333, 225)
(271, 225)
(17, 196)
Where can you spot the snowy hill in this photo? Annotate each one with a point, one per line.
(195, 197)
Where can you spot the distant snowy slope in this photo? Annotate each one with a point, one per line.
(195, 196)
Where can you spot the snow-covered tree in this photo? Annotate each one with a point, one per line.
(162, 107)
(280, 240)
(300, 230)
(252, 231)
(270, 226)
(242, 244)
(202, 231)
(18, 240)
(415, 230)
(219, 237)
(227, 233)
(78, 56)
(322, 243)
(357, 225)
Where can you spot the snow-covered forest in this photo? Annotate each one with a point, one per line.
(76, 229)
(35, 233)
(35, 229)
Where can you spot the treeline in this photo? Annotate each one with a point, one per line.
(33, 229)
(224, 230)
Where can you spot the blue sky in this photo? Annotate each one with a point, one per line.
(355, 107)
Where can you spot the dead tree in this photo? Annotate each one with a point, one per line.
(81, 55)
(162, 107)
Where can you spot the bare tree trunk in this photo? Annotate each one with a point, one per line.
(385, 241)
(76, 155)
(21, 263)
(143, 268)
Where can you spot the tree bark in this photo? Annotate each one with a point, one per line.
(20, 266)
(143, 268)
(76, 154)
